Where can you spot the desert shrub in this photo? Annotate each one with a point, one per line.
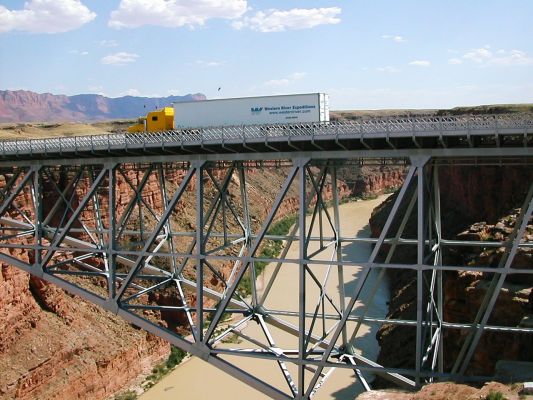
(271, 249)
(129, 395)
(495, 396)
(175, 357)
(159, 371)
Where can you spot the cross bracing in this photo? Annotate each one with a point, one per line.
(176, 252)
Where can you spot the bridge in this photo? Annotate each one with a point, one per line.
(178, 252)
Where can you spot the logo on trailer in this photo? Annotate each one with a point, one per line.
(256, 110)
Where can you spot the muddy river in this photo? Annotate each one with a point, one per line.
(197, 380)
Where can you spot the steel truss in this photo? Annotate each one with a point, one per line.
(196, 285)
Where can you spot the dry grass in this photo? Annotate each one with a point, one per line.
(345, 115)
(12, 131)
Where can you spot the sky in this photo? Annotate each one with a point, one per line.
(364, 54)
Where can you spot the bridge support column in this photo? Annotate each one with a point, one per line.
(37, 198)
(112, 233)
(420, 164)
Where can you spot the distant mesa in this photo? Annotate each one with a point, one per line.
(20, 106)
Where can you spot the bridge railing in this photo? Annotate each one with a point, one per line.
(419, 126)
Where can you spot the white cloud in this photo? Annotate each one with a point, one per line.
(107, 43)
(455, 61)
(512, 57)
(420, 63)
(478, 55)
(121, 58)
(484, 57)
(297, 18)
(209, 64)
(285, 81)
(46, 16)
(388, 69)
(394, 38)
(173, 13)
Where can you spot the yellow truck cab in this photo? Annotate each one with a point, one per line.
(159, 120)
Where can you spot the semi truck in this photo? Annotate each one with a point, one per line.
(283, 109)
(155, 121)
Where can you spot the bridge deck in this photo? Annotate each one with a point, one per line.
(386, 134)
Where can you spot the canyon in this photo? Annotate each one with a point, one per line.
(56, 346)
(479, 203)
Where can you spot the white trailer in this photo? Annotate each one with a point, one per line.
(293, 108)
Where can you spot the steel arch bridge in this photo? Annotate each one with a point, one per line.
(60, 205)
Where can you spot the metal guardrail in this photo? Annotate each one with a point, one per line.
(242, 134)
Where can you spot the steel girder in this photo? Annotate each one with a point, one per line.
(176, 251)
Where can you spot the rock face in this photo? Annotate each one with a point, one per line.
(56, 346)
(378, 180)
(485, 193)
(469, 195)
(368, 181)
(24, 106)
(464, 293)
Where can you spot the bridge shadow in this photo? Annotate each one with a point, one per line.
(365, 342)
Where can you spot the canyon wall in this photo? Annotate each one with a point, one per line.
(479, 203)
(369, 181)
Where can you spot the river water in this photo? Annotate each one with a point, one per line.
(197, 380)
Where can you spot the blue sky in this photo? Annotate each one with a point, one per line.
(365, 54)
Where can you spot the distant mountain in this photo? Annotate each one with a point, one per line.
(25, 106)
